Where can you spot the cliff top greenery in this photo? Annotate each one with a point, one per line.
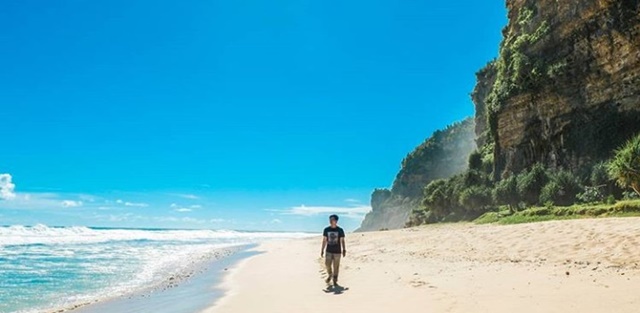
(443, 154)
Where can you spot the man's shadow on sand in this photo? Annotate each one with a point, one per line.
(335, 289)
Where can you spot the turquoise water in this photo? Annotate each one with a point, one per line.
(44, 268)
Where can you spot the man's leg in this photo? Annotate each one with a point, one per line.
(336, 266)
(327, 263)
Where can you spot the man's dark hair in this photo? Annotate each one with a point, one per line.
(333, 216)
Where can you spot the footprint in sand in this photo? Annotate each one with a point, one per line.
(419, 283)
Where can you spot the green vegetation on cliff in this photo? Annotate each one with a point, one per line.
(519, 197)
(515, 69)
(442, 155)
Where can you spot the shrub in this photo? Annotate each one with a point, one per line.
(561, 190)
(630, 195)
(474, 178)
(417, 217)
(436, 197)
(475, 161)
(506, 192)
(611, 200)
(475, 199)
(530, 183)
(550, 192)
(441, 196)
(599, 175)
(590, 195)
(570, 187)
(625, 165)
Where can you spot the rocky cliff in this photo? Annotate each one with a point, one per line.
(565, 90)
(442, 155)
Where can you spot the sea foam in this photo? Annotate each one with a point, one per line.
(44, 268)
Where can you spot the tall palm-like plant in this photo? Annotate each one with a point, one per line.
(625, 165)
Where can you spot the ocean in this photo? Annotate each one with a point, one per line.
(46, 268)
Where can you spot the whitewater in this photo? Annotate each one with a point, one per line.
(44, 268)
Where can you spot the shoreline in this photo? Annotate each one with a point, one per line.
(586, 265)
(161, 297)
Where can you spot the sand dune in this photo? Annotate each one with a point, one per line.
(560, 266)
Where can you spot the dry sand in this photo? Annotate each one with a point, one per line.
(559, 266)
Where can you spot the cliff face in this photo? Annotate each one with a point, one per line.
(388, 211)
(443, 155)
(565, 90)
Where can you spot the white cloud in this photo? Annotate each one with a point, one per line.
(351, 200)
(356, 212)
(7, 187)
(187, 196)
(71, 203)
(136, 204)
(183, 210)
(276, 221)
(51, 201)
(216, 220)
(196, 206)
(132, 204)
(32, 201)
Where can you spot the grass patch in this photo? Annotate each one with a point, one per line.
(540, 214)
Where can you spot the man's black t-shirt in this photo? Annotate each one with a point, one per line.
(333, 239)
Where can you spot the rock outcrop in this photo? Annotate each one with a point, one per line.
(565, 90)
(443, 155)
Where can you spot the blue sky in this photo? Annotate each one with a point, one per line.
(225, 114)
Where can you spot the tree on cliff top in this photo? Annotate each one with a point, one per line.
(625, 165)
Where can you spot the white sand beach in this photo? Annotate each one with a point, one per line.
(588, 265)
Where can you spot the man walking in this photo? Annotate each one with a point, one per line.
(333, 241)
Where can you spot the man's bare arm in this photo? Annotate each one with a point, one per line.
(324, 245)
(344, 246)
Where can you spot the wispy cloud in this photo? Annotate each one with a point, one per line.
(183, 209)
(33, 201)
(136, 204)
(132, 204)
(276, 221)
(71, 203)
(187, 196)
(7, 187)
(352, 200)
(356, 211)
